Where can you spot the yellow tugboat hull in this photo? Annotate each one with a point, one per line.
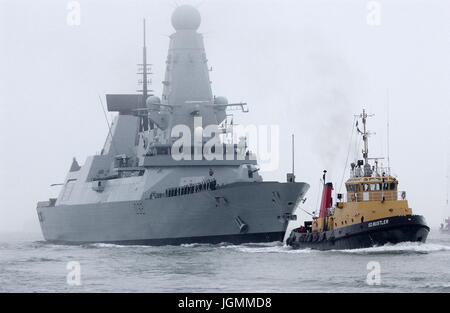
(351, 213)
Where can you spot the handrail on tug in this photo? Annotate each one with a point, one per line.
(387, 195)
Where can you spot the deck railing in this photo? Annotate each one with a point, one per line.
(376, 196)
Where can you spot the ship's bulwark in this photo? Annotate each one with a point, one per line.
(204, 217)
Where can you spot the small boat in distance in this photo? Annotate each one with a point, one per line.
(445, 227)
(375, 213)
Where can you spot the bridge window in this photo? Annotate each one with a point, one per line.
(162, 151)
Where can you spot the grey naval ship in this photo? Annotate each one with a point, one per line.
(139, 191)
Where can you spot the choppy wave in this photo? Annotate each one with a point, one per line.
(401, 248)
(436, 287)
(103, 245)
(197, 245)
(278, 247)
(38, 260)
(282, 249)
(274, 247)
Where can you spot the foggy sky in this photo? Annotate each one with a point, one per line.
(306, 66)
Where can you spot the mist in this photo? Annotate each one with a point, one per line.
(307, 66)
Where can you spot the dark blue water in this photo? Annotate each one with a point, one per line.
(29, 265)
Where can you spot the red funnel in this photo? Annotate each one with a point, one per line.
(327, 201)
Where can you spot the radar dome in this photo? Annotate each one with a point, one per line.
(186, 17)
(220, 100)
(152, 100)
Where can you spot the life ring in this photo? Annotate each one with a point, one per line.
(403, 195)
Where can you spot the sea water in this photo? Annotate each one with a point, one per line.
(28, 264)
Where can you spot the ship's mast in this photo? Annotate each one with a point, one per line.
(365, 138)
(144, 69)
(144, 125)
(365, 134)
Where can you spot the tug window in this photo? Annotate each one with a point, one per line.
(162, 151)
(392, 187)
(366, 187)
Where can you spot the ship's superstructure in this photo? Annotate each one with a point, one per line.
(374, 213)
(169, 172)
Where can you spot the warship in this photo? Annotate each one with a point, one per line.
(154, 185)
(375, 213)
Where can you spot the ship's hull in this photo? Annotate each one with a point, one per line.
(390, 230)
(228, 239)
(203, 217)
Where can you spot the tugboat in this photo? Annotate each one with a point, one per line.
(375, 212)
(445, 227)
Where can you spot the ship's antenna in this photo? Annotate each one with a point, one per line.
(293, 154)
(291, 176)
(348, 155)
(388, 160)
